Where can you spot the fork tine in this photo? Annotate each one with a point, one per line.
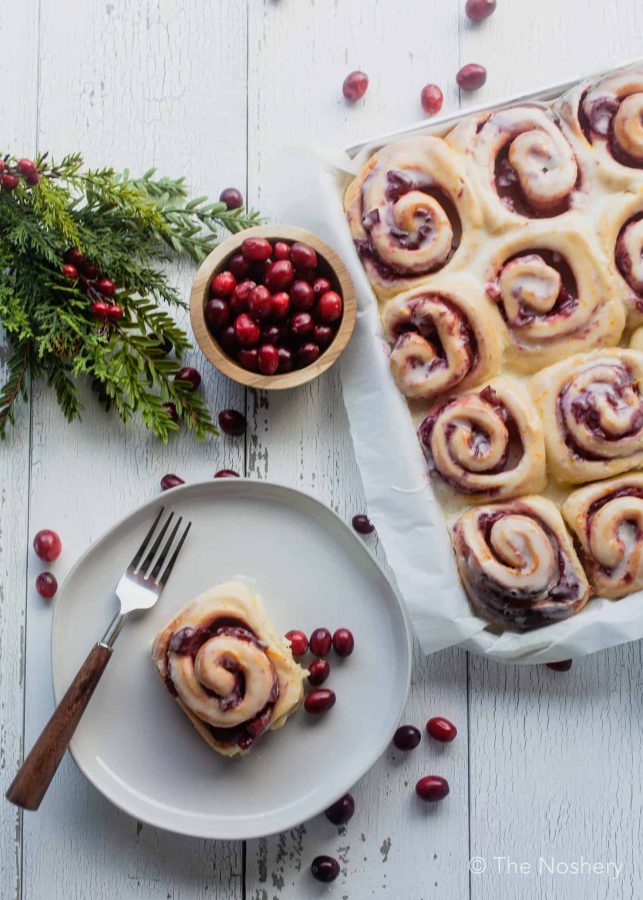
(141, 549)
(155, 546)
(158, 565)
(168, 569)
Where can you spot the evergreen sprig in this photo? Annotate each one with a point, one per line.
(61, 326)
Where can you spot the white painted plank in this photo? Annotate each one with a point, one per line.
(150, 84)
(302, 53)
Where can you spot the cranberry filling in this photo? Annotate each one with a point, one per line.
(425, 327)
(624, 261)
(510, 192)
(566, 301)
(600, 122)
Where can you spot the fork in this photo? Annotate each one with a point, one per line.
(139, 588)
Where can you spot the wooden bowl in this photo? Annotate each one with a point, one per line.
(216, 262)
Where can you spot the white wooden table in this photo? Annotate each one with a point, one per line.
(545, 764)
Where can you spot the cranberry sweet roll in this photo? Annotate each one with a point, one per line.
(411, 213)
(607, 520)
(228, 670)
(518, 564)
(621, 232)
(486, 445)
(592, 411)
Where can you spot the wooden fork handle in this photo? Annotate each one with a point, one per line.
(37, 771)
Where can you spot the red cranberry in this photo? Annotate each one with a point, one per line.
(46, 585)
(259, 269)
(69, 271)
(240, 299)
(303, 256)
(298, 642)
(325, 868)
(190, 375)
(301, 324)
(343, 642)
(441, 729)
(432, 788)
(431, 99)
(2, 165)
(318, 671)
(47, 545)
(330, 307)
(307, 354)
(75, 257)
(170, 481)
(27, 168)
(302, 295)
(239, 266)
(246, 330)
(223, 284)
(260, 302)
(256, 249)
(248, 359)
(115, 312)
(281, 250)
(280, 305)
(477, 10)
(320, 286)
(323, 335)
(172, 411)
(321, 640)
(105, 286)
(355, 86)
(226, 473)
(90, 271)
(363, 524)
(319, 701)
(407, 737)
(232, 198)
(274, 334)
(217, 313)
(232, 422)
(9, 182)
(228, 339)
(268, 359)
(285, 359)
(471, 77)
(564, 665)
(279, 275)
(342, 811)
(100, 309)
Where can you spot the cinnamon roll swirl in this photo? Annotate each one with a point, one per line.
(411, 213)
(228, 670)
(518, 564)
(607, 520)
(592, 411)
(621, 232)
(444, 336)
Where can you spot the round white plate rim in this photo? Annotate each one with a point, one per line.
(149, 816)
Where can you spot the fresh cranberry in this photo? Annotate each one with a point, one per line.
(115, 312)
(172, 411)
(330, 307)
(217, 313)
(46, 585)
(248, 358)
(190, 375)
(232, 198)
(223, 284)
(260, 304)
(90, 271)
(302, 325)
(27, 168)
(320, 700)
(302, 295)
(75, 257)
(320, 286)
(9, 182)
(274, 334)
(318, 671)
(362, 524)
(100, 309)
(321, 640)
(246, 330)
(279, 275)
(226, 473)
(285, 359)
(432, 788)
(441, 729)
(240, 299)
(228, 339)
(69, 271)
(281, 250)
(343, 642)
(325, 868)
(355, 86)
(341, 812)
(258, 270)
(471, 77)
(431, 99)
(564, 665)
(232, 422)
(105, 286)
(303, 256)
(280, 305)
(170, 481)
(307, 354)
(2, 165)
(407, 737)
(323, 335)
(47, 545)
(298, 642)
(477, 10)
(256, 249)
(239, 266)
(268, 359)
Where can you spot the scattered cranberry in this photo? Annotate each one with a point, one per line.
(246, 330)
(318, 671)
(279, 275)
(232, 422)
(223, 284)
(285, 359)
(190, 375)
(268, 359)
(239, 266)
(319, 701)
(302, 295)
(172, 411)
(217, 313)
(303, 256)
(363, 525)
(105, 286)
(342, 811)
(330, 307)
(9, 182)
(471, 77)
(226, 473)
(170, 481)
(355, 86)
(232, 198)
(47, 545)
(100, 309)
(564, 665)
(407, 737)
(432, 788)
(431, 99)
(228, 339)
(302, 324)
(343, 642)
(90, 271)
(75, 257)
(477, 10)
(240, 300)
(46, 585)
(248, 358)
(320, 286)
(280, 305)
(256, 249)
(323, 336)
(321, 640)
(441, 729)
(298, 642)
(115, 312)
(281, 250)
(325, 868)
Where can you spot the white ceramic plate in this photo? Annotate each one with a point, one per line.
(136, 746)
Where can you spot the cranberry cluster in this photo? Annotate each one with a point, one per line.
(99, 288)
(274, 309)
(10, 175)
(430, 788)
(320, 644)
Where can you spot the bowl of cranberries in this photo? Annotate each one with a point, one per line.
(273, 307)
